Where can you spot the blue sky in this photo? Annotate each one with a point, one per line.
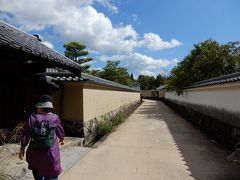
(148, 36)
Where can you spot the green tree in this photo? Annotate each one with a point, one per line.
(132, 78)
(146, 82)
(159, 80)
(95, 72)
(113, 72)
(143, 82)
(208, 59)
(75, 50)
(234, 50)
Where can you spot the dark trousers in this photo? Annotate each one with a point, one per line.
(38, 177)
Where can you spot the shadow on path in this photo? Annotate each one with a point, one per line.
(206, 159)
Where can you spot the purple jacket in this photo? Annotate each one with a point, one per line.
(47, 162)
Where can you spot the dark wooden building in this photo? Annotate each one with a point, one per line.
(22, 60)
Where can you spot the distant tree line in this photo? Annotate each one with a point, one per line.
(208, 59)
(150, 82)
(114, 72)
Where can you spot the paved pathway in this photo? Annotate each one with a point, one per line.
(154, 144)
(11, 167)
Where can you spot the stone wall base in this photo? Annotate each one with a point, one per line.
(91, 126)
(219, 125)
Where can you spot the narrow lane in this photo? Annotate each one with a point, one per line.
(154, 144)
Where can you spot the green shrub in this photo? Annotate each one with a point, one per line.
(119, 118)
(106, 126)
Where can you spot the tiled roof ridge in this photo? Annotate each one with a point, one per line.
(20, 40)
(217, 80)
(68, 76)
(109, 82)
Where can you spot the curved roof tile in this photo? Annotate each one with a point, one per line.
(217, 80)
(67, 76)
(19, 40)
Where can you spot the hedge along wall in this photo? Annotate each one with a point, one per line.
(221, 101)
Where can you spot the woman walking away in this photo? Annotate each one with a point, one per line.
(42, 132)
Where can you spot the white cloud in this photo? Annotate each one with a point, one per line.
(134, 17)
(105, 58)
(154, 42)
(107, 4)
(100, 69)
(149, 73)
(97, 31)
(141, 64)
(71, 21)
(48, 44)
(78, 21)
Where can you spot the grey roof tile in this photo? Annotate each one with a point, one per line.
(19, 40)
(67, 76)
(98, 80)
(217, 80)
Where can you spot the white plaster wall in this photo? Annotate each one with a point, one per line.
(98, 102)
(225, 97)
